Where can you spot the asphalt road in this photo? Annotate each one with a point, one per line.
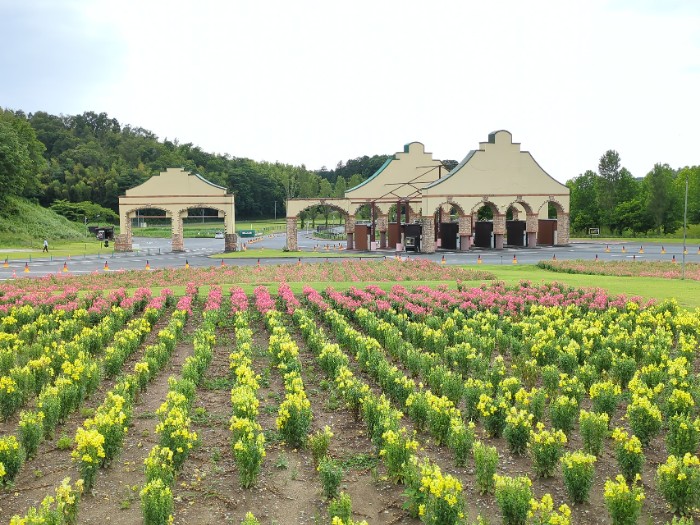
(203, 252)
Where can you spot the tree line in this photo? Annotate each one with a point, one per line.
(62, 159)
(613, 199)
(93, 158)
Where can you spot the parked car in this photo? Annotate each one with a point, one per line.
(219, 235)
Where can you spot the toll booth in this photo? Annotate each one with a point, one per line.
(102, 233)
(515, 233)
(448, 235)
(412, 237)
(483, 234)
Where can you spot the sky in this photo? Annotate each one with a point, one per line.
(316, 82)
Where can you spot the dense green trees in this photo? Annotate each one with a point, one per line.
(614, 199)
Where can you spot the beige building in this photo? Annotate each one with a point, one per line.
(413, 188)
(175, 191)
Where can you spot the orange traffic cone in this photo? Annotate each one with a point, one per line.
(674, 259)
(5, 264)
(478, 260)
(596, 257)
(443, 260)
(624, 250)
(515, 260)
(26, 267)
(299, 261)
(607, 248)
(106, 268)
(641, 249)
(663, 250)
(187, 264)
(148, 265)
(258, 263)
(222, 263)
(65, 266)
(698, 250)
(554, 257)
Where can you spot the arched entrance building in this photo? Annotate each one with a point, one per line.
(175, 191)
(498, 195)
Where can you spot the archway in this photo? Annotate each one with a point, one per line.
(488, 225)
(185, 191)
(552, 224)
(449, 231)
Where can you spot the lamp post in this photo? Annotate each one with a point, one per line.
(685, 222)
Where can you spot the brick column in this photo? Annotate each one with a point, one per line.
(562, 228)
(230, 242)
(178, 241)
(465, 232)
(292, 244)
(531, 227)
(499, 230)
(122, 243)
(382, 226)
(428, 237)
(350, 231)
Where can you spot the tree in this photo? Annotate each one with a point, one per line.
(693, 175)
(340, 187)
(614, 186)
(21, 159)
(585, 211)
(662, 202)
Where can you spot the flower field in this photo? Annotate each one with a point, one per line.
(534, 404)
(664, 270)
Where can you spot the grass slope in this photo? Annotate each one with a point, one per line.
(24, 224)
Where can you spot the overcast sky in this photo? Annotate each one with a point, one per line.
(315, 82)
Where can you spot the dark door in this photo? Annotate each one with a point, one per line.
(482, 234)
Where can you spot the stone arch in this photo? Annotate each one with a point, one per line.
(561, 233)
(447, 232)
(301, 205)
(175, 191)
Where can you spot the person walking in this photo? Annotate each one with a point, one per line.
(46, 246)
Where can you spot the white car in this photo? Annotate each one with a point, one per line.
(219, 235)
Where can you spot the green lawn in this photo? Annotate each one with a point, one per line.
(686, 292)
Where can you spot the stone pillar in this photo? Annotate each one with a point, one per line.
(178, 241)
(292, 244)
(350, 231)
(428, 237)
(562, 228)
(531, 227)
(499, 230)
(383, 227)
(122, 243)
(230, 242)
(465, 232)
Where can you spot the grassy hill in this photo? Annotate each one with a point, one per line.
(23, 223)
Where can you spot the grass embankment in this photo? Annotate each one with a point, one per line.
(24, 225)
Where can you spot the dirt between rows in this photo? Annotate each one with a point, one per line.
(288, 490)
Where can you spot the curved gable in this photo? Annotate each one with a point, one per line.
(498, 167)
(401, 176)
(176, 181)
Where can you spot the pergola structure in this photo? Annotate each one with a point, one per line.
(413, 185)
(175, 191)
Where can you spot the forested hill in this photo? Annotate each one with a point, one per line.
(92, 157)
